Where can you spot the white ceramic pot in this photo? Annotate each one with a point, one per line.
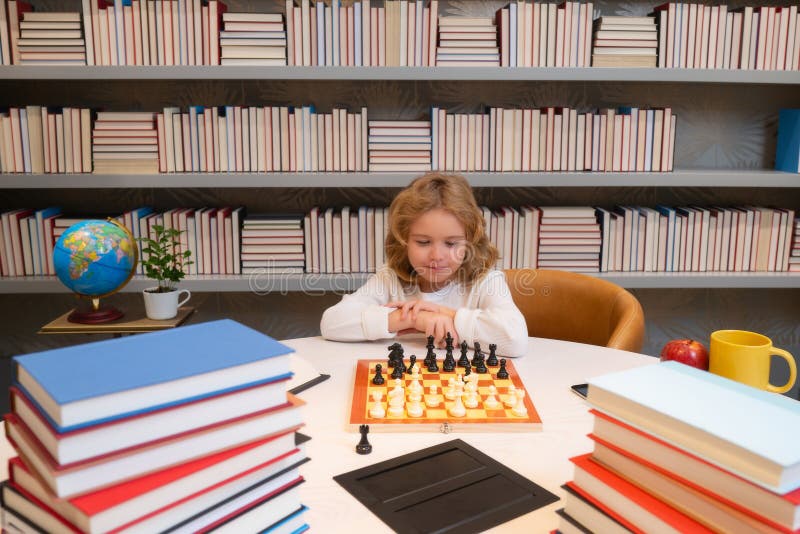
(159, 306)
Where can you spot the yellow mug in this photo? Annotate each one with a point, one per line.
(745, 357)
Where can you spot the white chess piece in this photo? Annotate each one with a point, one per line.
(457, 409)
(519, 408)
(396, 406)
(452, 390)
(414, 409)
(471, 399)
(432, 400)
(511, 399)
(377, 411)
(415, 386)
(491, 402)
(471, 384)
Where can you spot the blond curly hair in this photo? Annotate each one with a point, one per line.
(452, 193)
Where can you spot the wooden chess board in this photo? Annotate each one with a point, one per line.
(478, 419)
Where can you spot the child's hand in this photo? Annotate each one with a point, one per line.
(411, 308)
(436, 325)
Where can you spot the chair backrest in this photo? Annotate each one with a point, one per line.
(576, 307)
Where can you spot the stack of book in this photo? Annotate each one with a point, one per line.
(399, 146)
(125, 142)
(467, 42)
(569, 239)
(794, 254)
(253, 39)
(515, 233)
(51, 39)
(680, 449)
(41, 140)
(183, 429)
(273, 243)
(347, 241)
(625, 42)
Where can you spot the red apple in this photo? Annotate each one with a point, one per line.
(687, 351)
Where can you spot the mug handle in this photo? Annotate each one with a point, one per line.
(189, 295)
(792, 371)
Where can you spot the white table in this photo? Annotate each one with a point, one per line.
(548, 370)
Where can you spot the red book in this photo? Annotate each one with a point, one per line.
(633, 507)
(780, 511)
(165, 497)
(136, 430)
(88, 475)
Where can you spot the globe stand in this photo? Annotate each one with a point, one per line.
(95, 315)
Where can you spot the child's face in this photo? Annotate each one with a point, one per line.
(436, 248)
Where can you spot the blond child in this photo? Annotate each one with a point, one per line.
(438, 276)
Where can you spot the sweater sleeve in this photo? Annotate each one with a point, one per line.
(496, 319)
(362, 315)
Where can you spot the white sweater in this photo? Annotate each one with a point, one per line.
(485, 312)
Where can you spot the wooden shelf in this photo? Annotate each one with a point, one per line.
(584, 74)
(342, 283)
(679, 178)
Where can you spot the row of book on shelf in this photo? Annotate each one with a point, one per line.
(715, 37)
(660, 463)
(37, 139)
(400, 33)
(351, 240)
(132, 451)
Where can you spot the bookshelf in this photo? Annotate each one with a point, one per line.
(678, 178)
(569, 74)
(733, 112)
(341, 283)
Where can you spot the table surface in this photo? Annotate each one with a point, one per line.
(548, 370)
(130, 323)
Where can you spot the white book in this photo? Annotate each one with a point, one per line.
(370, 227)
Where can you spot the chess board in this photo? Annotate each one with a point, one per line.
(478, 419)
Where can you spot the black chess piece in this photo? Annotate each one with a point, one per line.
(502, 373)
(463, 361)
(430, 355)
(477, 348)
(480, 366)
(399, 369)
(492, 360)
(433, 367)
(449, 362)
(467, 369)
(364, 446)
(448, 340)
(393, 351)
(378, 380)
(413, 361)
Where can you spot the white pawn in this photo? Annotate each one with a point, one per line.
(491, 402)
(432, 400)
(471, 399)
(457, 409)
(519, 408)
(511, 399)
(452, 390)
(414, 409)
(377, 411)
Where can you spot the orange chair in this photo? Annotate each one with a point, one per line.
(577, 307)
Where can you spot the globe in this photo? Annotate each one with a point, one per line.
(94, 259)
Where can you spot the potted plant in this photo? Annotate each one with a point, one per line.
(164, 261)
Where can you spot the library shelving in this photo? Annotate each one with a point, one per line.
(724, 144)
(678, 178)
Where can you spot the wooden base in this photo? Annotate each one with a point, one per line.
(105, 314)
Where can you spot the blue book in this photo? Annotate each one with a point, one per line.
(85, 385)
(787, 156)
(748, 431)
